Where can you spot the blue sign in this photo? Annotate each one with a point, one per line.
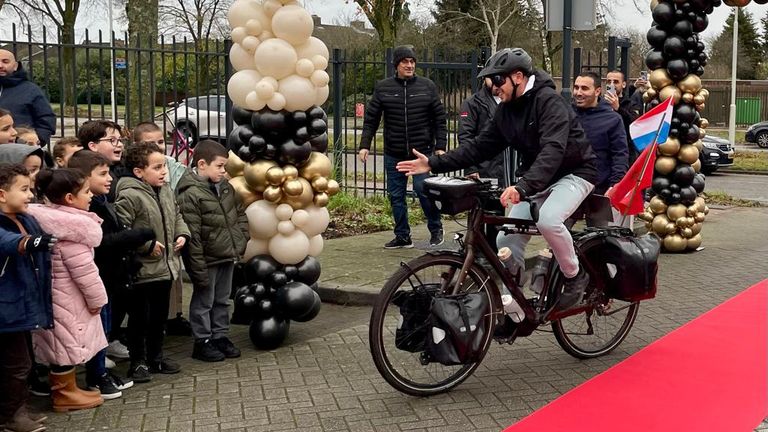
(120, 63)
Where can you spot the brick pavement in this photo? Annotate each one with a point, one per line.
(324, 379)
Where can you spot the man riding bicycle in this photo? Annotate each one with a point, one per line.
(558, 169)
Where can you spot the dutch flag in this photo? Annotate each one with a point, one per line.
(644, 129)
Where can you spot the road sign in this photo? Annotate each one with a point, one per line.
(582, 19)
(120, 63)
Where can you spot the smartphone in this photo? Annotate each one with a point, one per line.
(644, 75)
(609, 88)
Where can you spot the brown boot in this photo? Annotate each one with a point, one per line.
(22, 423)
(67, 396)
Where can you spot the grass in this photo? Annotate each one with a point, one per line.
(722, 198)
(723, 133)
(354, 215)
(750, 161)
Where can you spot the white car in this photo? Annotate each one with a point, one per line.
(197, 118)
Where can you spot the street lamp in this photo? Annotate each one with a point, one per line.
(734, 58)
(112, 61)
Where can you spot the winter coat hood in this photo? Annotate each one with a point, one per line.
(16, 153)
(14, 79)
(68, 223)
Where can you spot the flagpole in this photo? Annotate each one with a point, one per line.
(645, 167)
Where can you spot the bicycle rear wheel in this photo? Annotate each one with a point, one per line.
(412, 372)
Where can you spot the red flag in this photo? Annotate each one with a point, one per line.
(626, 195)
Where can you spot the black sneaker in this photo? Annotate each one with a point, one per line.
(399, 243)
(139, 372)
(573, 291)
(106, 387)
(164, 366)
(206, 351)
(178, 326)
(120, 383)
(38, 386)
(436, 239)
(226, 347)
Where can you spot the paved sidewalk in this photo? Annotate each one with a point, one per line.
(323, 378)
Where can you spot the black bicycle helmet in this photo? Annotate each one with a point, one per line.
(506, 61)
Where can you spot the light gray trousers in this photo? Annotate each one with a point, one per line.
(209, 307)
(555, 204)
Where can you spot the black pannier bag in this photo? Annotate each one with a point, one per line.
(414, 321)
(629, 265)
(459, 328)
(451, 196)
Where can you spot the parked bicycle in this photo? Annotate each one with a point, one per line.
(448, 298)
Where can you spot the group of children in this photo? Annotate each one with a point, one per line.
(100, 235)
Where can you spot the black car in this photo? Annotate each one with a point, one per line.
(758, 134)
(716, 153)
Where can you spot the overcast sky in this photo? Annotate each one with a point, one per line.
(625, 14)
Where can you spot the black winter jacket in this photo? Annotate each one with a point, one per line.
(27, 104)
(414, 117)
(115, 256)
(605, 131)
(477, 113)
(543, 129)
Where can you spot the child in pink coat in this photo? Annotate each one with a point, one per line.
(78, 292)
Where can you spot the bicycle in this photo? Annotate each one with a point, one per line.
(591, 329)
(182, 138)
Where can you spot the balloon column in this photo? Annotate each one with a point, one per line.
(277, 163)
(677, 59)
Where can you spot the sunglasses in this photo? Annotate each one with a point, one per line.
(498, 80)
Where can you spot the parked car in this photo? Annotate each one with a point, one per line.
(758, 134)
(717, 152)
(196, 118)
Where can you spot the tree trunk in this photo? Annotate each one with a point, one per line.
(68, 63)
(142, 33)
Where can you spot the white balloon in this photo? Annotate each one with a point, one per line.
(316, 245)
(320, 62)
(253, 102)
(266, 34)
(305, 68)
(286, 227)
(277, 102)
(262, 221)
(265, 90)
(254, 27)
(272, 81)
(300, 218)
(289, 249)
(319, 78)
(284, 212)
(240, 58)
(255, 247)
(275, 58)
(242, 11)
(293, 24)
(311, 48)
(272, 6)
(322, 95)
(238, 34)
(240, 84)
(300, 94)
(317, 222)
(250, 43)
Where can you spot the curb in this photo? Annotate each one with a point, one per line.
(728, 171)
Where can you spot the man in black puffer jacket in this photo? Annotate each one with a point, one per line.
(414, 118)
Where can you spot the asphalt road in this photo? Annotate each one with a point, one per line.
(744, 186)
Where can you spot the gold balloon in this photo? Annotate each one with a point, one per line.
(694, 242)
(704, 92)
(318, 165)
(696, 228)
(654, 3)
(696, 166)
(273, 194)
(687, 97)
(275, 176)
(706, 210)
(700, 203)
(659, 224)
(700, 107)
(670, 147)
(652, 93)
(692, 210)
(234, 166)
(686, 233)
(704, 123)
(699, 217)
(293, 187)
(244, 192)
(333, 187)
(675, 212)
(690, 84)
(647, 97)
(675, 243)
(646, 216)
(303, 200)
(702, 133)
(688, 154)
(699, 145)
(320, 184)
(290, 172)
(671, 91)
(659, 79)
(699, 99)
(671, 228)
(256, 174)
(657, 205)
(321, 199)
(665, 164)
(684, 222)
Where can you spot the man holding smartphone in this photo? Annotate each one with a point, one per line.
(630, 107)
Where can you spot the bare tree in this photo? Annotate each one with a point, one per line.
(385, 16)
(492, 14)
(199, 19)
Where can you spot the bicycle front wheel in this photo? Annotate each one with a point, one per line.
(412, 372)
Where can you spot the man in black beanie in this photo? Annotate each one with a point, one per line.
(414, 118)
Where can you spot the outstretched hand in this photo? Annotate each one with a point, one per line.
(420, 165)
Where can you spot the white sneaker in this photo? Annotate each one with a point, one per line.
(109, 363)
(117, 350)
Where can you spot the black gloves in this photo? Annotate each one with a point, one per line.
(41, 243)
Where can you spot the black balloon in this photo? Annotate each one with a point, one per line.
(311, 313)
(291, 271)
(242, 291)
(245, 154)
(302, 134)
(244, 132)
(317, 112)
(683, 28)
(249, 301)
(260, 267)
(683, 175)
(656, 37)
(684, 125)
(677, 69)
(693, 64)
(674, 198)
(319, 143)
(257, 144)
(270, 152)
(660, 183)
(691, 42)
(317, 127)
(299, 118)
(679, 14)
(700, 4)
(653, 104)
(691, 135)
(698, 183)
(674, 46)
(241, 116)
(700, 47)
(266, 307)
(654, 59)
(268, 333)
(234, 142)
(294, 153)
(686, 113)
(295, 299)
(699, 71)
(700, 23)
(688, 195)
(674, 188)
(308, 271)
(258, 290)
(665, 194)
(273, 122)
(279, 279)
(691, 54)
(673, 132)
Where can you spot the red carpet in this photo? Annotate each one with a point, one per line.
(708, 375)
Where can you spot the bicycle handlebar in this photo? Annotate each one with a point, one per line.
(488, 192)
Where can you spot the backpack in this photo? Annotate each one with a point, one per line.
(458, 328)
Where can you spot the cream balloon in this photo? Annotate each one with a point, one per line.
(293, 24)
(286, 227)
(283, 212)
(262, 221)
(250, 43)
(241, 84)
(264, 90)
(277, 102)
(254, 27)
(311, 48)
(319, 61)
(300, 218)
(255, 247)
(318, 220)
(275, 58)
(305, 68)
(299, 93)
(240, 58)
(320, 78)
(242, 11)
(272, 6)
(266, 34)
(316, 245)
(253, 102)
(271, 81)
(289, 249)
(238, 34)
(322, 95)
